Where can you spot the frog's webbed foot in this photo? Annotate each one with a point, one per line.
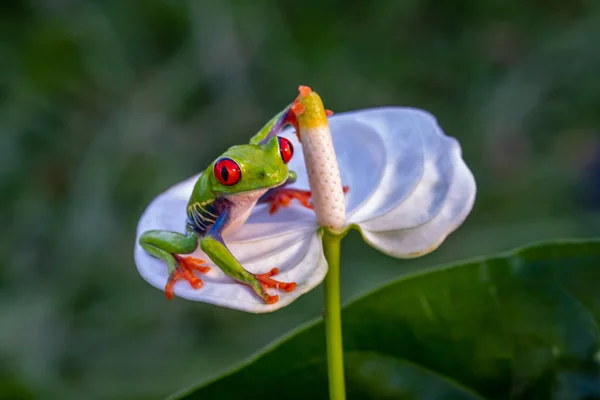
(267, 282)
(283, 198)
(185, 271)
(212, 244)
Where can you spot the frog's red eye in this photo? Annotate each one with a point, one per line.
(286, 149)
(227, 171)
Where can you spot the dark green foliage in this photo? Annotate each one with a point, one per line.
(520, 326)
(105, 103)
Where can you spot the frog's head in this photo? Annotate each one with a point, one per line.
(249, 167)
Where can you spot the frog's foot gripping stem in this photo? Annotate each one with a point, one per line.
(283, 198)
(267, 282)
(185, 271)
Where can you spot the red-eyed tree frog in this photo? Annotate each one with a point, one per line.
(222, 200)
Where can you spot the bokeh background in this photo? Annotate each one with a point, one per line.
(104, 104)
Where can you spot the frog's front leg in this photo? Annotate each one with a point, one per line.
(282, 196)
(212, 244)
(168, 246)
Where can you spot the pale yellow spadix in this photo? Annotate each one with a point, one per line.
(321, 163)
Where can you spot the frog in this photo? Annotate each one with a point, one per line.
(221, 201)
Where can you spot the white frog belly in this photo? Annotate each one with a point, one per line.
(243, 203)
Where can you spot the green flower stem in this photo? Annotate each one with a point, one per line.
(333, 317)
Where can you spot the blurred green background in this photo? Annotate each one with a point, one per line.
(104, 104)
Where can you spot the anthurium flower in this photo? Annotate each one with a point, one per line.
(409, 189)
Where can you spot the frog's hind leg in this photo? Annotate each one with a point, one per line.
(212, 244)
(169, 247)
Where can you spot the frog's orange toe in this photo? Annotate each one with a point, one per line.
(283, 198)
(297, 109)
(185, 271)
(305, 91)
(271, 299)
(267, 282)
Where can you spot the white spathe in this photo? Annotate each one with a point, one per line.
(409, 189)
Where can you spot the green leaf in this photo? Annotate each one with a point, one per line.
(522, 326)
